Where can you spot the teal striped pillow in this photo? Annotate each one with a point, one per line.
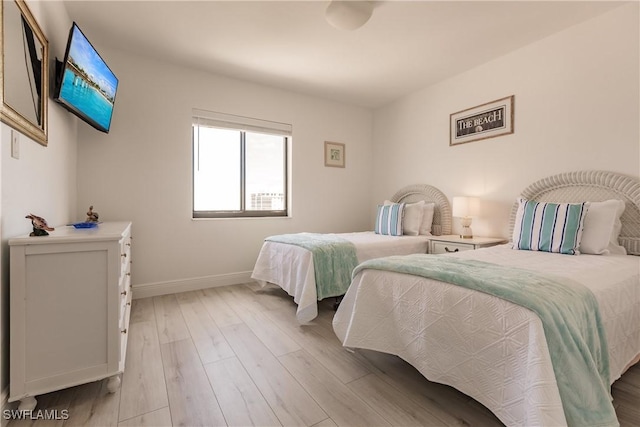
(389, 219)
(549, 227)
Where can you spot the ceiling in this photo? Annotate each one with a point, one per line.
(405, 46)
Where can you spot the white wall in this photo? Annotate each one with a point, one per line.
(576, 108)
(141, 170)
(43, 179)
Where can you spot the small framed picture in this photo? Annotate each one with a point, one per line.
(488, 120)
(334, 154)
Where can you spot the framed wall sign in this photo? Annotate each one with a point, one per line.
(488, 120)
(334, 154)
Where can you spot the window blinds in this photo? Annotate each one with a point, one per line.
(230, 121)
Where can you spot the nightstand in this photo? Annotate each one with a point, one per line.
(454, 243)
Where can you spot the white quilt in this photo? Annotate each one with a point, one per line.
(291, 267)
(486, 347)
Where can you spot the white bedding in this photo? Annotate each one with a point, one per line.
(486, 347)
(291, 267)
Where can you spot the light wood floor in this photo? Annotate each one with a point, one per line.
(236, 356)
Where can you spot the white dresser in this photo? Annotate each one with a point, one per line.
(69, 308)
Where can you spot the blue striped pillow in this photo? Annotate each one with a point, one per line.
(389, 219)
(549, 227)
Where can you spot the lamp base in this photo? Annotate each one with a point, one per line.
(466, 232)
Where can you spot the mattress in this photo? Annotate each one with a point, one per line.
(291, 267)
(486, 347)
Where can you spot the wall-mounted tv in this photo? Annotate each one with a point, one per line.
(86, 86)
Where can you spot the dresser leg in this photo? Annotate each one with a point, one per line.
(28, 404)
(113, 383)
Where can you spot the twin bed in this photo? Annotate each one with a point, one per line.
(536, 337)
(292, 267)
(525, 369)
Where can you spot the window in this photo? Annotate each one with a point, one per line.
(239, 166)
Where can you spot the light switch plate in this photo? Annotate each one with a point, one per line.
(15, 144)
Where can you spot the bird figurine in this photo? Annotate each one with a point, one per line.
(91, 215)
(40, 226)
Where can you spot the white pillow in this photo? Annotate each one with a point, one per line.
(615, 248)
(602, 227)
(427, 219)
(413, 213)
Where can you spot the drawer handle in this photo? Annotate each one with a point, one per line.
(124, 331)
(129, 303)
(451, 251)
(128, 244)
(123, 293)
(124, 255)
(128, 274)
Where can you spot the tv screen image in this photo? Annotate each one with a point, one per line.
(87, 86)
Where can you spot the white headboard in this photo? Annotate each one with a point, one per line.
(442, 212)
(592, 186)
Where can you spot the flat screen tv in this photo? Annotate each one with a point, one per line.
(86, 86)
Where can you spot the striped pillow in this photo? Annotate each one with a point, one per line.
(389, 219)
(549, 227)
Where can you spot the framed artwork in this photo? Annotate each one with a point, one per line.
(488, 120)
(334, 154)
(24, 71)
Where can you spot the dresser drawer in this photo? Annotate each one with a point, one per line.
(125, 305)
(448, 247)
(125, 277)
(125, 253)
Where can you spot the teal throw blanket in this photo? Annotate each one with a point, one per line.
(334, 259)
(570, 317)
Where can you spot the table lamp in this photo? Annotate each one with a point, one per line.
(465, 208)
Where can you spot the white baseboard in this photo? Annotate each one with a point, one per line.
(146, 290)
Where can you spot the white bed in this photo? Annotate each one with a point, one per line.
(489, 348)
(292, 268)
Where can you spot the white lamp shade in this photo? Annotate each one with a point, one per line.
(348, 15)
(465, 207)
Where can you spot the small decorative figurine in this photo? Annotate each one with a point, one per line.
(91, 215)
(40, 226)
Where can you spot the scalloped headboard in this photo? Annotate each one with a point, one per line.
(592, 186)
(442, 211)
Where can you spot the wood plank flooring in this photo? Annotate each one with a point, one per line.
(236, 356)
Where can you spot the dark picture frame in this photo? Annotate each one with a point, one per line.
(484, 121)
